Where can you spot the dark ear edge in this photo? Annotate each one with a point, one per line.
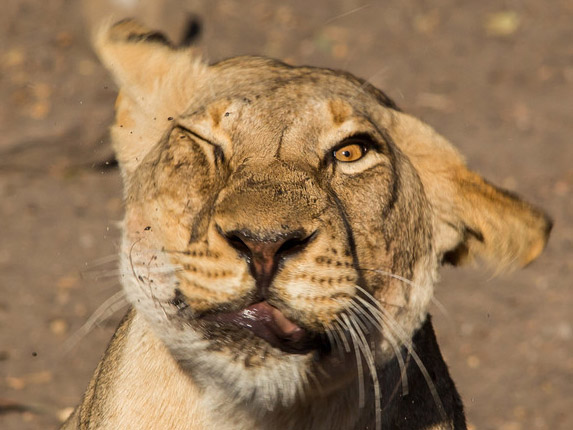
(129, 30)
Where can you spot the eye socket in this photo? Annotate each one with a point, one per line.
(351, 152)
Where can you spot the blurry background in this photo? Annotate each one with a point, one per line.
(495, 77)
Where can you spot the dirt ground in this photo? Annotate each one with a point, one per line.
(495, 77)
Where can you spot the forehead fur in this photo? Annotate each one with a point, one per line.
(255, 75)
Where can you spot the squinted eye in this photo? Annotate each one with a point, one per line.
(350, 152)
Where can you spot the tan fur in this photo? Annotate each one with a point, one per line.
(514, 231)
(246, 145)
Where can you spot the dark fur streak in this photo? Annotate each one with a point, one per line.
(278, 152)
(151, 37)
(456, 255)
(350, 235)
(394, 189)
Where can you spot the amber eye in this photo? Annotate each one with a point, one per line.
(350, 152)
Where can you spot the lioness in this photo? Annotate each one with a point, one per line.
(284, 227)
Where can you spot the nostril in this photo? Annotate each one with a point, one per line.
(294, 244)
(239, 244)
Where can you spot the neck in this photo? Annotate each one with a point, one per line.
(147, 389)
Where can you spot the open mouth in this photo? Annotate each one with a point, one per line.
(270, 324)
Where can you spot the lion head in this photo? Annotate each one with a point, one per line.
(286, 224)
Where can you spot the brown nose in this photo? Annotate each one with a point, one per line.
(265, 255)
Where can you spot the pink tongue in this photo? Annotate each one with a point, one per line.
(285, 325)
(263, 318)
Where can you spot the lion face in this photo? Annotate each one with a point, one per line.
(283, 224)
(265, 219)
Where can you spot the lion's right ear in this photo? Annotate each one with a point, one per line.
(156, 82)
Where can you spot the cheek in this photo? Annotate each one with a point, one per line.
(137, 225)
(367, 194)
(365, 203)
(157, 225)
(167, 211)
(390, 224)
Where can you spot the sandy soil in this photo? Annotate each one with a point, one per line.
(494, 77)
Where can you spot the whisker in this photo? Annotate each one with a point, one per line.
(340, 331)
(438, 304)
(103, 274)
(363, 321)
(377, 313)
(150, 281)
(102, 261)
(440, 307)
(100, 275)
(344, 14)
(331, 341)
(434, 300)
(165, 269)
(363, 345)
(392, 275)
(361, 392)
(104, 311)
(328, 334)
(377, 323)
(131, 259)
(338, 341)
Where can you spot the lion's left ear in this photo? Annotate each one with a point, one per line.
(472, 218)
(497, 225)
(156, 82)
